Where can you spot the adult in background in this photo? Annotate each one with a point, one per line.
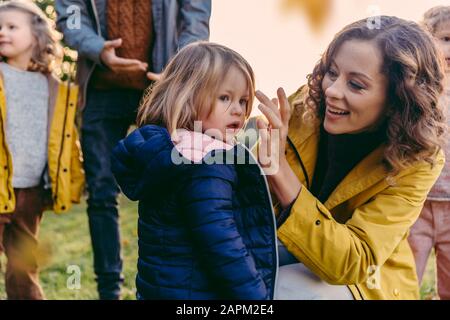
(122, 46)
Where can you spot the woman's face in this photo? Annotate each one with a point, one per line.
(355, 89)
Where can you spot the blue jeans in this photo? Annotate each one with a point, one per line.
(106, 119)
(284, 256)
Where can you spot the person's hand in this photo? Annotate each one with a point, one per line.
(271, 152)
(154, 76)
(111, 60)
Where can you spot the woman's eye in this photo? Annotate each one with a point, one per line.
(446, 39)
(224, 98)
(355, 85)
(332, 73)
(12, 27)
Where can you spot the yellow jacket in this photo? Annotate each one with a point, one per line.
(64, 155)
(358, 237)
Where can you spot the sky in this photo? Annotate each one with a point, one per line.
(279, 41)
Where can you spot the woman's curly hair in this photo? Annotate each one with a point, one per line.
(416, 123)
(47, 52)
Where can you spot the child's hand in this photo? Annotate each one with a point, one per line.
(111, 60)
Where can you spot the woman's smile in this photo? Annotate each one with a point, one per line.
(334, 113)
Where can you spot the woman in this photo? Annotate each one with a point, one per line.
(357, 158)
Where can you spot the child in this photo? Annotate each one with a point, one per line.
(206, 230)
(38, 141)
(432, 229)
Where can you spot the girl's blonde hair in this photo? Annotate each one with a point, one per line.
(416, 124)
(435, 17)
(189, 85)
(47, 52)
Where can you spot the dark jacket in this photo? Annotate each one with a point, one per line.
(206, 231)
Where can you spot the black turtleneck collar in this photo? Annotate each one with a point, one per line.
(338, 155)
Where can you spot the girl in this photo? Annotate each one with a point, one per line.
(206, 229)
(363, 151)
(39, 146)
(432, 229)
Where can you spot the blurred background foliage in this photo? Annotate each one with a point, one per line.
(315, 11)
(68, 68)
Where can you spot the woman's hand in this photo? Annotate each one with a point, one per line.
(274, 134)
(271, 152)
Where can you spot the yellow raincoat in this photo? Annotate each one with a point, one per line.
(358, 237)
(64, 155)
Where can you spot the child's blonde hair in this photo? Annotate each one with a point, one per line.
(47, 52)
(435, 16)
(189, 85)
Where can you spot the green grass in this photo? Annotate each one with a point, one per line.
(65, 241)
(428, 288)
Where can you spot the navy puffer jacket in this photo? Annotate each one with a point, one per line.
(206, 231)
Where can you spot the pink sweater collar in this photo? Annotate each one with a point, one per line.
(196, 145)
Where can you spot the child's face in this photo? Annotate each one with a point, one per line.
(228, 115)
(442, 35)
(16, 38)
(355, 89)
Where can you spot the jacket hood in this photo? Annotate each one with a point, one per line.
(148, 160)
